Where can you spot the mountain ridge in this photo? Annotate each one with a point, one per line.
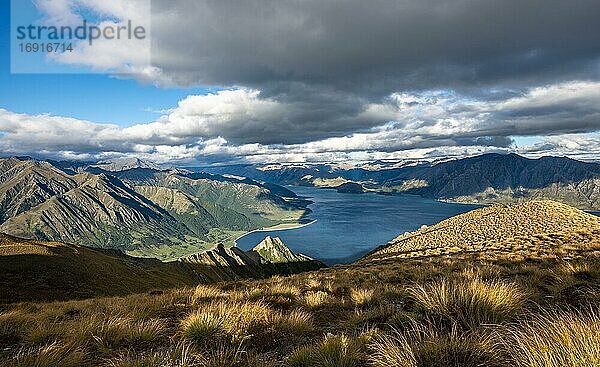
(506, 230)
(144, 211)
(485, 179)
(46, 271)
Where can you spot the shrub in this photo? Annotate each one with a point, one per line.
(470, 302)
(555, 339)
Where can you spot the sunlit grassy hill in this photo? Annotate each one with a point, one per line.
(536, 228)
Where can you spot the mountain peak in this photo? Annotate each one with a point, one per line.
(123, 164)
(273, 250)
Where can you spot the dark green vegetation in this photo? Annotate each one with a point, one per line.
(489, 178)
(500, 286)
(142, 211)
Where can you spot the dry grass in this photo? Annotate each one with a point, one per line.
(426, 346)
(333, 351)
(361, 297)
(203, 293)
(202, 327)
(51, 355)
(297, 322)
(470, 302)
(314, 299)
(233, 320)
(427, 313)
(555, 339)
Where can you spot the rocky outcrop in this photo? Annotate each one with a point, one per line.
(273, 251)
(270, 257)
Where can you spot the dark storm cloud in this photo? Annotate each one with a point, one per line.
(326, 61)
(379, 46)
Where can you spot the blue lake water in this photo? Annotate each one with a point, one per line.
(349, 225)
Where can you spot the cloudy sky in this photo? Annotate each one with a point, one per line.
(313, 80)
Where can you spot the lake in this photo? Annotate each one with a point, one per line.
(350, 225)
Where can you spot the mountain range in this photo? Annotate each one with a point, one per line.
(485, 179)
(150, 212)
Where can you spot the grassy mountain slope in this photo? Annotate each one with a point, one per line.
(44, 271)
(101, 212)
(34, 270)
(438, 309)
(485, 229)
(144, 211)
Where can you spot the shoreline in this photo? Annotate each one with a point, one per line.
(279, 227)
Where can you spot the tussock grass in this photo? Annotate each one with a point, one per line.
(424, 345)
(234, 320)
(12, 326)
(119, 332)
(314, 299)
(297, 322)
(425, 313)
(276, 294)
(361, 297)
(555, 339)
(202, 327)
(181, 355)
(203, 293)
(286, 290)
(470, 302)
(313, 284)
(333, 351)
(51, 355)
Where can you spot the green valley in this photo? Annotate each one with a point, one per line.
(142, 211)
